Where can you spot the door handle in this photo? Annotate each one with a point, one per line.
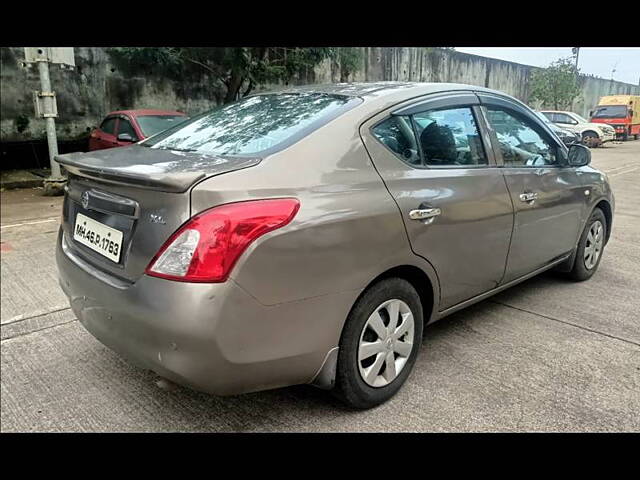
(528, 196)
(424, 213)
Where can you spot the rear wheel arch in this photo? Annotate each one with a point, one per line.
(418, 280)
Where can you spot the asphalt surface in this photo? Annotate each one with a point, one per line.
(546, 355)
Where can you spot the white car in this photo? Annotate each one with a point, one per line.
(593, 134)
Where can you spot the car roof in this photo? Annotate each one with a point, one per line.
(377, 89)
(145, 111)
(378, 96)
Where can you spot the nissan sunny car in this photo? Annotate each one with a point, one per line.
(307, 236)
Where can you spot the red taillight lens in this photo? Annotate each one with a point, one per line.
(206, 248)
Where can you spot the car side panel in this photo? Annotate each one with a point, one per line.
(348, 229)
(468, 242)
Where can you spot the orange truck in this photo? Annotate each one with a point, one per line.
(622, 112)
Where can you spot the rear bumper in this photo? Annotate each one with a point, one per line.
(211, 337)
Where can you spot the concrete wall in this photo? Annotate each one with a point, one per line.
(96, 87)
(88, 92)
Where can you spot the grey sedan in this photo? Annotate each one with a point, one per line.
(307, 236)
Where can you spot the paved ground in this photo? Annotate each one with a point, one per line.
(547, 355)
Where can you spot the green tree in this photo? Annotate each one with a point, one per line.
(348, 60)
(557, 85)
(238, 69)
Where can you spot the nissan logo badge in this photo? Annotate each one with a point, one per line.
(85, 200)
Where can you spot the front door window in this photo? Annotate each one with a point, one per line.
(126, 127)
(520, 144)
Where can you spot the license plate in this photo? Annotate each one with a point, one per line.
(98, 237)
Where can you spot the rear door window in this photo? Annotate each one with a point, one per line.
(550, 116)
(434, 138)
(563, 118)
(396, 133)
(449, 137)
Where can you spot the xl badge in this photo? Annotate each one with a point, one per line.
(85, 200)
(153, 218)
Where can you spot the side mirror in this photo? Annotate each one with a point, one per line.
(578, 156)
(573, 122)
(125, 137)
(591, 113)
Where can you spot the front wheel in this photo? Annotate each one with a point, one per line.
(379, 344)
(590, 139)
(590, 247)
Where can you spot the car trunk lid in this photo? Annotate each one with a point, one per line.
(138, 196)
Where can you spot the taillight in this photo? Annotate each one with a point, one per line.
(206, 248)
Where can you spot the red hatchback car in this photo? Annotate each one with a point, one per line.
(124, 127)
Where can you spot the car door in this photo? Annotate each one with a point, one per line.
(547, 197)
(105, 135)
(125, 126)
(453, 199)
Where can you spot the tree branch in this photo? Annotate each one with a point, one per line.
(206, 67)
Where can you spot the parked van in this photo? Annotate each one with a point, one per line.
(620, 111)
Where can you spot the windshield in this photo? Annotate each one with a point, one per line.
(580, 119)
(255, 124)
(152, 124)
(610, 111)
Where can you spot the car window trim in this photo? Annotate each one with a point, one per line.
(443, 101)
(438, 101)
(509, 105)
(498, 151)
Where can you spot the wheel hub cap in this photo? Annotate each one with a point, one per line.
(386, 342)
(593, 247)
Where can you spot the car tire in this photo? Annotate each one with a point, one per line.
(585, 266)
(590, 139)
(360, 379)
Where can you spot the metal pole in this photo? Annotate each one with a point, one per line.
(45, 84)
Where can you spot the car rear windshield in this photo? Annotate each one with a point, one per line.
(255, 125)
(610, 111)
(152, 124)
